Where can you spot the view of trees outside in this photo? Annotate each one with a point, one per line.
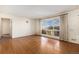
(51, 25)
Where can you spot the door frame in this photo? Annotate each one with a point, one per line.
(10, 26)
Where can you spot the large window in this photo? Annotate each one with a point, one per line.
(51, 26)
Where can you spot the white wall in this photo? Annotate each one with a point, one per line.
(19, 26)
(38, 29)
(73, 26)
(33, 26)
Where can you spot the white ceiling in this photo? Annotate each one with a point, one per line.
(35, 11)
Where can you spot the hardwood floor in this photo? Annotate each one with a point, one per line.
(36, 45)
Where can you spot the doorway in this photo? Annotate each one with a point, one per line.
(5, 28)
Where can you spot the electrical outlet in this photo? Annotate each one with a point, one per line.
(74, 39)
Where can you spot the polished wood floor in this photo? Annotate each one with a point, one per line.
(36, 45)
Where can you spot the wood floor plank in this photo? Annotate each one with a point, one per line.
(36, 45)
